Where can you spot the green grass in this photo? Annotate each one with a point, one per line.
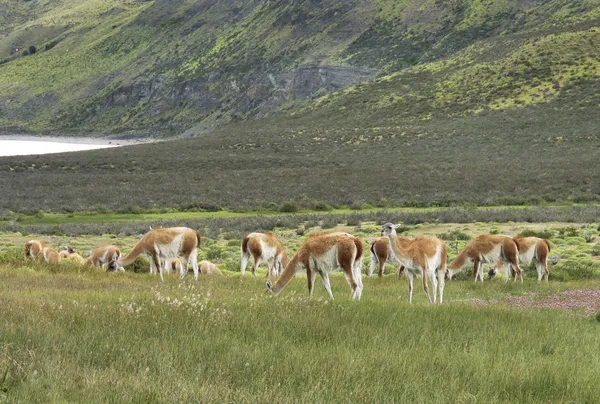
(81, 335)
(70, 333)
(96, 217)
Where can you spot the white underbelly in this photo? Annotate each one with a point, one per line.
(491, 257)
(328, 261)
(268, 252)
(527, 256)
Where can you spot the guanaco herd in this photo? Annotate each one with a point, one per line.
(174, 249)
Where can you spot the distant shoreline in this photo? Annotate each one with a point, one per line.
(91, 140)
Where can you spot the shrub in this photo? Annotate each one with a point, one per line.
(288, 207)
(536, 233)
(329, 221)
(573, 268)
(140, 265)
(357, 205)
(214, 252)
(568, 232)
(353, 220)
(454, 235)
(11, 256)
(322, 206)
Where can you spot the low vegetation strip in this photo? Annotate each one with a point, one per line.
(80, 335)
(239, 224)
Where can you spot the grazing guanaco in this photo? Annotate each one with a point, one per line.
(425, 256)
(208, 268)
(33, 250)
(167, 243)
(106, 257)
(266, 247)
(67, 253)
(38, 251)
(171, 265)
(321, 254)
(530, 249)
(380, 250)
(488, 249)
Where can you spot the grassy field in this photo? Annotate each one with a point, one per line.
(72, 334)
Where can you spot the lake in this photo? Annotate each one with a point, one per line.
(25, 147)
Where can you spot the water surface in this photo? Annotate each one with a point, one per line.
(26, 147)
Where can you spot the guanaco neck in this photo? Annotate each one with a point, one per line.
(460, 261)
(288, 273)
(138, 248)
(399, 245)
(284, 258)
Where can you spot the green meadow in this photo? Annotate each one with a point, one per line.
(78, 335)
(75, 334)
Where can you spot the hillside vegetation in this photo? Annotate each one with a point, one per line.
(167, 66)
(342, 103)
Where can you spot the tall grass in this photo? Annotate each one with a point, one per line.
(72, 334)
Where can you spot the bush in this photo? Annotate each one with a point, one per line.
(329, 222)
(568, 232)
(547, 234)
(140, 265)
(214, 252)
(454, 235)
(574, 268)
(11, 256)
(289, 207)
(322, 206)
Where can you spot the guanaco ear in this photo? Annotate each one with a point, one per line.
(395, 226)
(269, 284)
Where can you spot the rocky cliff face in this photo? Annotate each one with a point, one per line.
(248, 96)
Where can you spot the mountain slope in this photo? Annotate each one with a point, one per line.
(169, 66)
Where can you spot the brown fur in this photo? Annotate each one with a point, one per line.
(161, 243)
(379, 256)
(106, 257)
(38, 251)
(69, 254)
(252, 245)
(33, 250)
(416, 256)
(540, 255)
(50, 255)
(173, 265)
(208, 268)
(489, 248)
(313, 257)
